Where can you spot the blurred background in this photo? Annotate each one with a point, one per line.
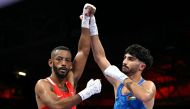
(30, 29)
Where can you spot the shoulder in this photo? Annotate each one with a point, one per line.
(41, 84)
(149, 84)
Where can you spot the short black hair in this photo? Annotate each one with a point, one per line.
(60, 48)
(141, 53)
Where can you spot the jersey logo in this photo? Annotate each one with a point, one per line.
(131, 98)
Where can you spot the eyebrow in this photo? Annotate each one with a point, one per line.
(62, 57)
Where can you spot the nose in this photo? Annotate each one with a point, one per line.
(125, 61)
(63, 63)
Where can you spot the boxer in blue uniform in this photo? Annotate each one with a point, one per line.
(130, 89)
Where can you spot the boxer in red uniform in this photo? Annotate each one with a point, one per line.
(58, 91)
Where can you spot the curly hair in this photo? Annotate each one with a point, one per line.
(141, 53)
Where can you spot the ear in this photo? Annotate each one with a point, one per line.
(50, 63)
(142, 66)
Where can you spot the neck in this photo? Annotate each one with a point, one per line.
(56, 79)
(136, 77)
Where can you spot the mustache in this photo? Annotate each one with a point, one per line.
(124, 65)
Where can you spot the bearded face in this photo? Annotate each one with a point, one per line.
(130, 70)
(60, 72)
(130, 65)
(61, 63)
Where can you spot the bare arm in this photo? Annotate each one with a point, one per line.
(84, 42)
(48, 97)
(100, 58)
(99, 53)
(145, 92)
(82, 54)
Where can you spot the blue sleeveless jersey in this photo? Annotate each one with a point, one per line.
(128, 101)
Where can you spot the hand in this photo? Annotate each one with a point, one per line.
(89, 10)
(90, 82)
(93, 87)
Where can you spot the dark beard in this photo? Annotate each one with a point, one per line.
(59, 75)
(127, 71)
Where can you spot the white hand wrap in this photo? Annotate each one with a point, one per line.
(85, 21)
(88, 10)
(93, 26)
(93, 87)
(115, 73)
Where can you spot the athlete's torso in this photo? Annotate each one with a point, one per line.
(60, 93)
(128, 101)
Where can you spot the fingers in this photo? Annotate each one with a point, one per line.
(90, 82)
(99, 85)
(89, 9)
(80, 17)
(93, 88)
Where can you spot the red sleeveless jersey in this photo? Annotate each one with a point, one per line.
(60, 93)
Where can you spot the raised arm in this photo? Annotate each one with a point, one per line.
(99, 53)
(83, 44)
(100, 57)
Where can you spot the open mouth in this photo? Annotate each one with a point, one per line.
(63, 70)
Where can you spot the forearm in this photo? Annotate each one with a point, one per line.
(84, 42)
(139, 91)
(99, 54)
(67, 103)
(97, 49)
(80, 59)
